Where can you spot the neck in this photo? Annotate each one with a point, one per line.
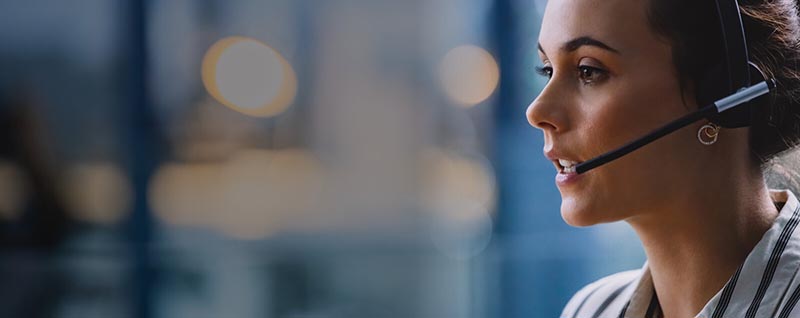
(696, 242)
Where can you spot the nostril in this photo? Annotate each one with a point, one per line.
(543, 125)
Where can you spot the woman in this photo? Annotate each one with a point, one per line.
(718, 242)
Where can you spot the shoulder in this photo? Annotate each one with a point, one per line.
(599, 294)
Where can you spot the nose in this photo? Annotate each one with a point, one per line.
(546, 113)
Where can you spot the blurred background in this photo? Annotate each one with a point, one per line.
(282, 158)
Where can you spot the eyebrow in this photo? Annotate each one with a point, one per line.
(576, 43)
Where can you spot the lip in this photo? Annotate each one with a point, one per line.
(567, 179)
(563, 179)
(554, 155)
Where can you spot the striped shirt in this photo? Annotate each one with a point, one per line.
(767, 284)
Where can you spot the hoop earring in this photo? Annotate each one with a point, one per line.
(708, 134)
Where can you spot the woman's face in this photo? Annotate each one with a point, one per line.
(612, 81)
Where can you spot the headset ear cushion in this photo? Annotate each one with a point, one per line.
(713, 87)
(764, 104)
(745, 114)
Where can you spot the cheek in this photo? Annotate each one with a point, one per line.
(630, 184)
(607, 122)
(626, 110)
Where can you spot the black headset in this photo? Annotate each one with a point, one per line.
(732, 92)
(734, 72)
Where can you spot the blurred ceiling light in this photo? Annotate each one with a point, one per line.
(248, 193)
(450, 178)
(469, 75)
(460, 191)
(97, 192)
(253, 195)
(14, 190)
(268, 191)
(249, 76)
(186, 194)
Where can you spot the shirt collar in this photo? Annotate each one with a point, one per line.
(752, 280)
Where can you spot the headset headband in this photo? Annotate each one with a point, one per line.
(735, 44)
(733, 72)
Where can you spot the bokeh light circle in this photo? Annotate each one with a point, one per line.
(98, 192)
(469, 75)
(249, 76)
(460, 192)
(254, 194)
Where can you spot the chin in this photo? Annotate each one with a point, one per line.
(580, 215)
(576, 219)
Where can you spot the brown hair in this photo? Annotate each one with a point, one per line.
(772, 29)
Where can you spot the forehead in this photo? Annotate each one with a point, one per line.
(621, 24)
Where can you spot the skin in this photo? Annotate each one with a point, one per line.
(698, 210)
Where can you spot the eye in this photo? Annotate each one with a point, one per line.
(545, 71)
(591, 75)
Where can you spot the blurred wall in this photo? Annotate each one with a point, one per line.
(282, 158)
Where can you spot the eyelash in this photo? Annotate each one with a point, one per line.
(547, 72)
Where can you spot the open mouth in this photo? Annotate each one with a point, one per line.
(567, 166)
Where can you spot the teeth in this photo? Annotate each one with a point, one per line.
(566, 163)
(568, 166)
